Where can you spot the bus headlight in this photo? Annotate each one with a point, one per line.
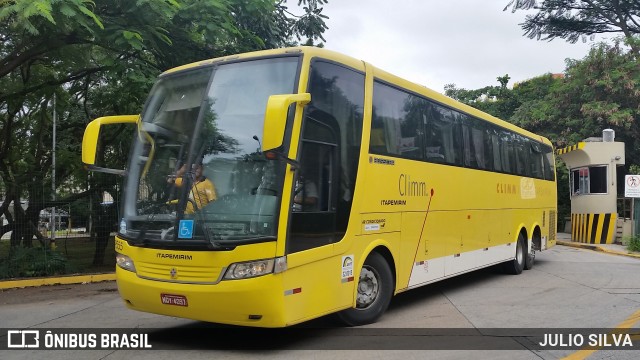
(249, 269)
(125, 262)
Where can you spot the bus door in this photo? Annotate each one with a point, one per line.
(322, 194)
(312, 225)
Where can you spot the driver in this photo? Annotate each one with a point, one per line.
(306, 196)
(202, 192)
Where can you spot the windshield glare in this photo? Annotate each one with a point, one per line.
(197, 155)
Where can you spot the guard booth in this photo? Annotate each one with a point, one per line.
(593, 166)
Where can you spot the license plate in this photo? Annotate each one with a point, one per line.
(178, 300)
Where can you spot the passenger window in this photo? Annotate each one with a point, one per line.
(397, 123)
(477, 145)
(443, 136)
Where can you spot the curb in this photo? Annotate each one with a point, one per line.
(63, 280)
(596, 248)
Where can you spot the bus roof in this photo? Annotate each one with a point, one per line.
(377, 73)
(307, 50)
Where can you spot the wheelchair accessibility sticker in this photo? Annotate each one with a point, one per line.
(185, 229)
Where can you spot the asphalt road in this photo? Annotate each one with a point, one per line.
(480, 315)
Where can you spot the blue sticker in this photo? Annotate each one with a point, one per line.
(186, 229)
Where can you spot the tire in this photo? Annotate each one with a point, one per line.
(515, 266)
(530, 259)
(375, 289)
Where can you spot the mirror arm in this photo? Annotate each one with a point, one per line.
(106, 170)
(277, 155)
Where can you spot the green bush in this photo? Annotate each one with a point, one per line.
(33, 262)
(634, 243)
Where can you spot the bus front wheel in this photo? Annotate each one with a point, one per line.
(516, 265)
(375, 289)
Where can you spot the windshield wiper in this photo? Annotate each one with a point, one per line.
(230, 244)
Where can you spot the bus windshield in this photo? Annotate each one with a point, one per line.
(196, 172)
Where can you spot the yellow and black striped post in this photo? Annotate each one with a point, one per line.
(593, 228)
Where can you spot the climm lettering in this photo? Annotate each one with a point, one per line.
(174, 256)
(408, 187)
(506, 189)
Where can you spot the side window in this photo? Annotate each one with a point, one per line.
(580, 181)
(478, 150)
(443, 139)
(339, 92)
(495, 148)
(522, 156)
(313, 189)
(507, 152)
(396, 125)
(329, 154)
(412, 127)
(548, 161)
(536, 160)
(598, 179)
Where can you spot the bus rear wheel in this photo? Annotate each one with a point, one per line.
(530, 259)
(375, 289)
(516, 265)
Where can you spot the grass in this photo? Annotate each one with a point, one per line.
(72, 255)
(79, 252)
(633, 243)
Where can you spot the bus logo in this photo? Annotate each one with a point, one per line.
(527, 188)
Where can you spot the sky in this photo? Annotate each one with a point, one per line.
(435, 42)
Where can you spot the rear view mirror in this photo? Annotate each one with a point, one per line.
(275, 118)
(91, 136)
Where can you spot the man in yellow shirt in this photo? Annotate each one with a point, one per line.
(202, 192)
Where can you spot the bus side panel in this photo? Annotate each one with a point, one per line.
(421, 261)
(317, 283)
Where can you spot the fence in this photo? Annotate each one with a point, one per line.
(77, 237)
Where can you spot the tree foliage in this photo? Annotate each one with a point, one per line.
(100, 57)
(575, 19)
(499, 100)
(598, 92)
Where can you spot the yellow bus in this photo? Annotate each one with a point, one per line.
(270, 188)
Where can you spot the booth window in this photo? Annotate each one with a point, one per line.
(589, 180)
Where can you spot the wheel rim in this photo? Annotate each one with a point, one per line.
(368, 288)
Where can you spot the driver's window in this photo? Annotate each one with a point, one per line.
(313, 185)
(315, 192)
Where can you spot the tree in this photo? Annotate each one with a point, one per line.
(499, 101)
(575, 19)
(100, 58)
(600, 91)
